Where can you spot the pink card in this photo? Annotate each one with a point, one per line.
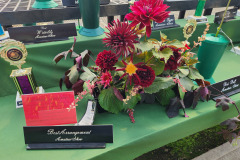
(49, 109)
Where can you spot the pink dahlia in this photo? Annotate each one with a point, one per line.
(106, 78)
(106, 60)
(145, 11)
(146, 75)
(121, 38)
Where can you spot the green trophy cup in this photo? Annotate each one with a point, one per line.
(44, 4)
(90, 16)
(15, 53)
(198, 13)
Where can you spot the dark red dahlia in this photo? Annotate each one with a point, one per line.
(174, 61)
(106, 60)
(146, 76)
(121, 38)
(145, 11)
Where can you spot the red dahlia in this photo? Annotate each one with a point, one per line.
(174, 61)
(106, 60)
(121, 38)
(145, 11)
(146, 76)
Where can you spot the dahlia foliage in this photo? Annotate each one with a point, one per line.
(129, 69)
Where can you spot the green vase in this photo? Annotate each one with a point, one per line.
(90, 17)
(44, 4)
(210, 53)
(200, 7)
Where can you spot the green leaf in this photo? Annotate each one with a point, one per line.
(144, 46)
(87, 75)
(132, 102)
(109, 101)
(156, 65)
(73, 74)
(163, 37)
(160, 83)
(165, 53)
(184, 71)
(181, 93)
(164, 96)
(175, 43)
(194, 74)
(187, 83)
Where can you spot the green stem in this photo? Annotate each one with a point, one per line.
(145, 37)
(219, 28)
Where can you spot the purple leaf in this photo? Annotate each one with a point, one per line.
(231, 123)
(78, 87)
(224, 102)
(118, 94)
(204, 92)
(173, 108)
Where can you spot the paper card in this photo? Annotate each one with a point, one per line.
(49, 109)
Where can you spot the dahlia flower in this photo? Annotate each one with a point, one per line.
(121, 38)
(146, 75)
(106, 60)
(174, 61)
(145, 11)
(106, 78)
(131, 70)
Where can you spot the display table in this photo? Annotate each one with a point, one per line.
(152, 129)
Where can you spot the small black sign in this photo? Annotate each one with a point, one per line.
(167, 23)
(229, 87)
(68, 134)
(229, 15)
(43, 33)
(73, 3)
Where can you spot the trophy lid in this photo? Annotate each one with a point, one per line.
(13, 52)
(21, 72)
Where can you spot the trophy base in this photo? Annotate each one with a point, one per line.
(4, 36)
(19, 99)
(199, 20)
(236, 50)
(238, 12)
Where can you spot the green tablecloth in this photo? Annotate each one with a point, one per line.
(152, 128)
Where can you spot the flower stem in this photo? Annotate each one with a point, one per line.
(145, 37)
(219, 28)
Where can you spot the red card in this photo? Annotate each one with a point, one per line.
(49, 109)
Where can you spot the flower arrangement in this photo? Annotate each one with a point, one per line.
(130, 69)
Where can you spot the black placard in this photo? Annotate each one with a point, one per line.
(73, 3)
(68, 134)
(229, 87)
(229, 15)
(167, 23)
(43, 33)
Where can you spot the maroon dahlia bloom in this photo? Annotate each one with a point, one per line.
(121, 38)
(106, 60)
(174, 61)
(146, 76)
(145, 11)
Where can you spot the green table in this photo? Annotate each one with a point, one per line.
(152, 128)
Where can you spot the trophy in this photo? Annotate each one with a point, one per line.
(189, 29)
(198, 13)
(3, 35)
(15, 53)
